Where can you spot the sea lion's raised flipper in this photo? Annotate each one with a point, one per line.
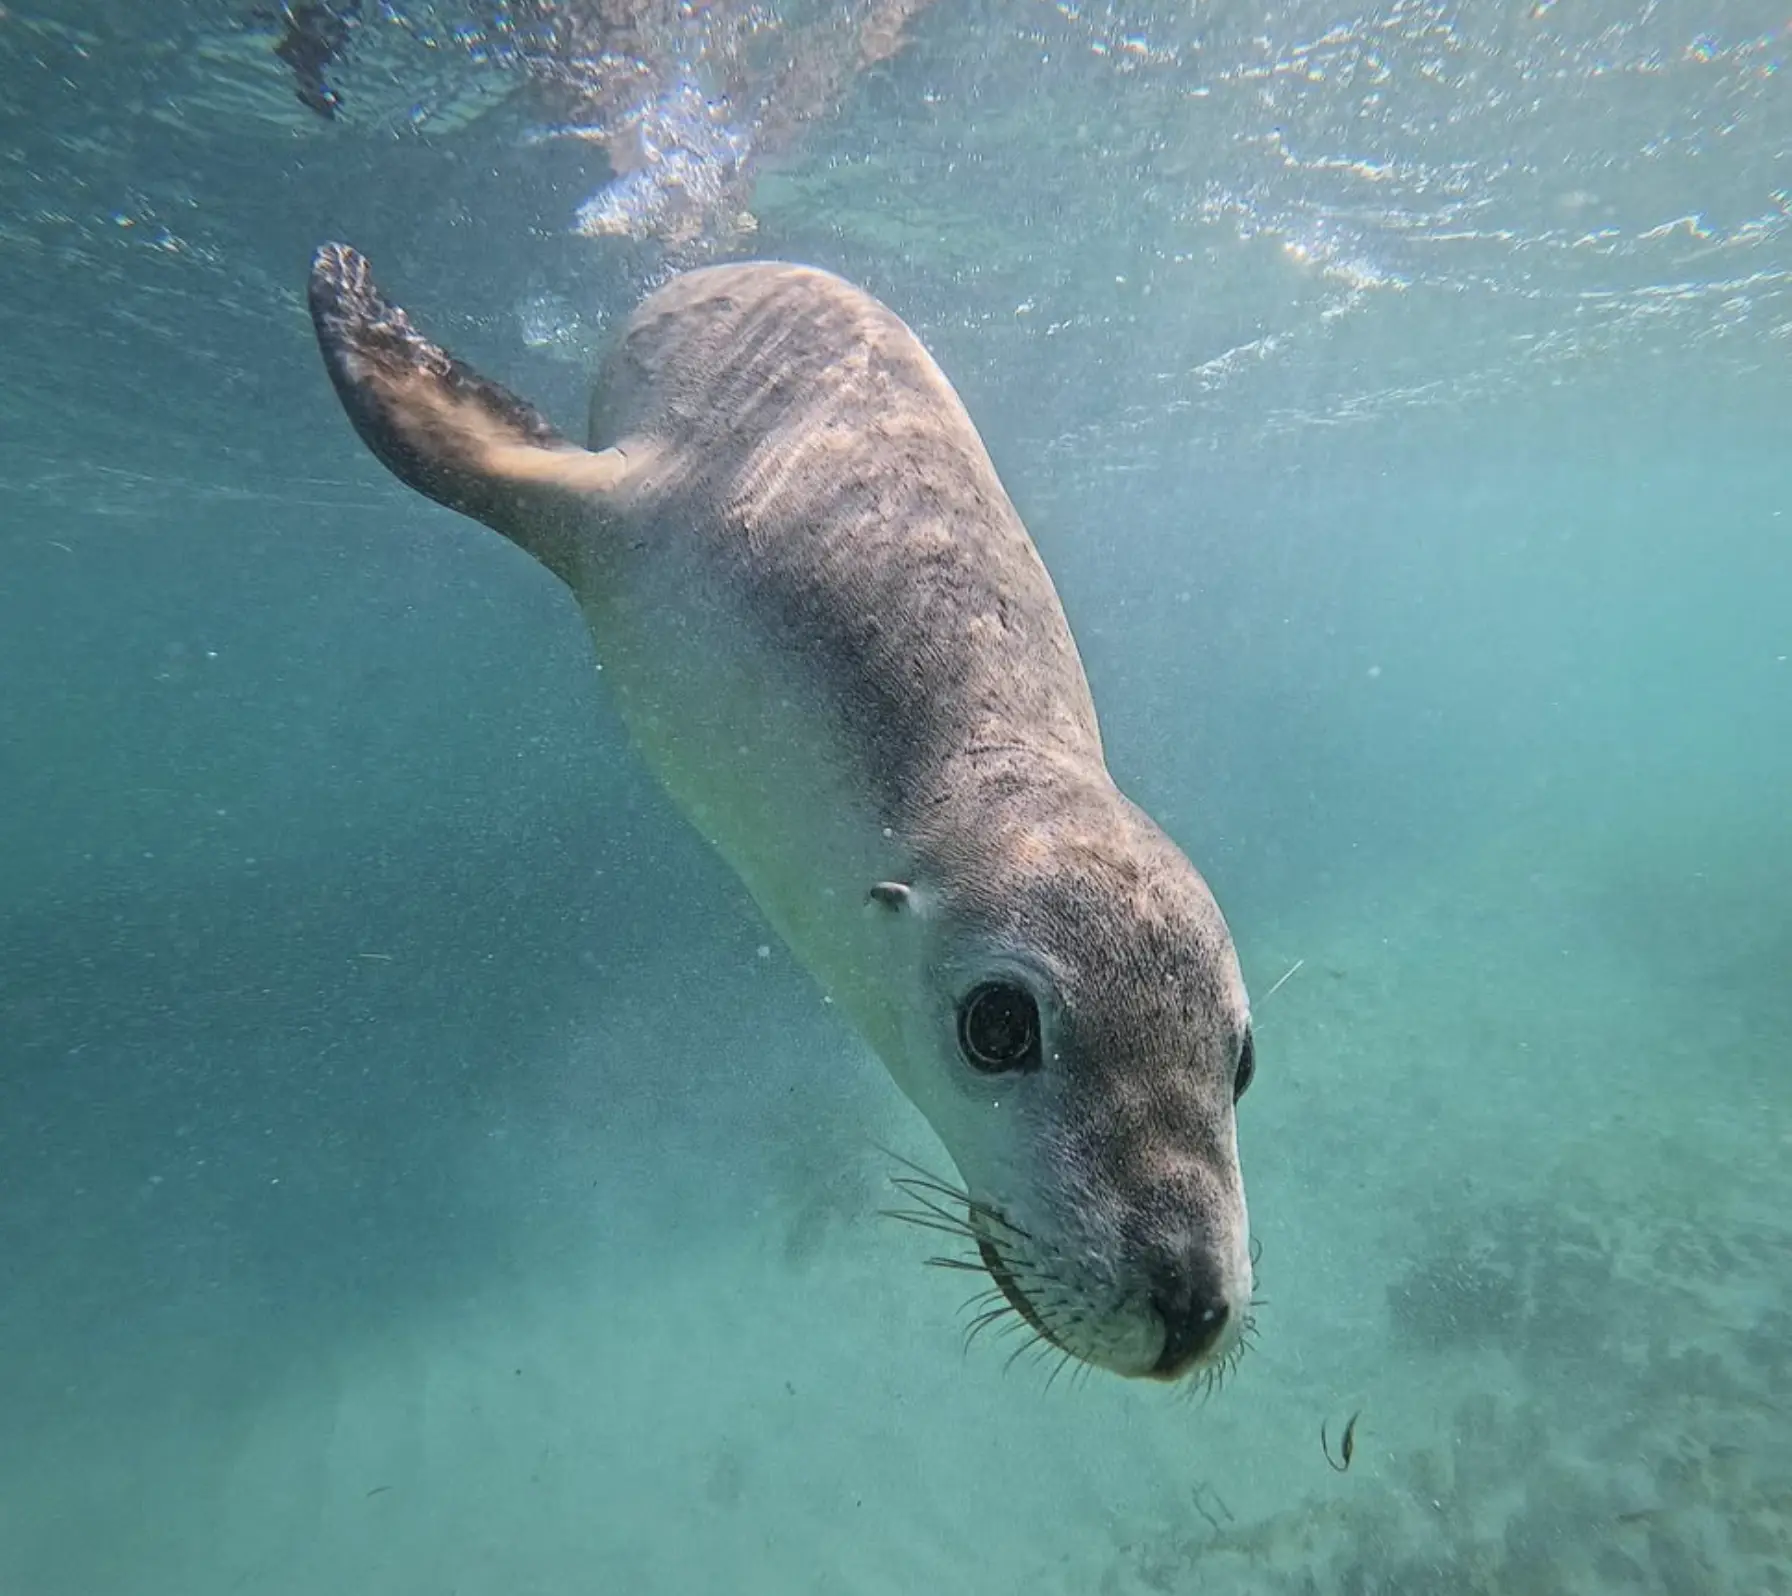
(443, 429)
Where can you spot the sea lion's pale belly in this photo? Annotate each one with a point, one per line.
(755, 756)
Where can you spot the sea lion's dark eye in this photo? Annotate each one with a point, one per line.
(998, 1028)
(1247, 1066)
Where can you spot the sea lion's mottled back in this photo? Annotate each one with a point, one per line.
(802, 430)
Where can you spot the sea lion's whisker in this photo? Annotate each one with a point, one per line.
(990, 1219)
(983, 1301)
(1287, 974)
(933, 1206)
(920, 1179)
(939, 1215)
(1034, 1338)
(945, 1226)
(940, 1188)
(923, 1191)
(1001, 1325)
(922, 1172)
(904, 1160)
(1039, 1349)
(1065, 1358)
(984, 1321)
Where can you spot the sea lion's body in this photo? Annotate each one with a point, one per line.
(807, 475)
(831, 637)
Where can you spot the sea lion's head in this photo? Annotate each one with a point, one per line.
(1078, 1034)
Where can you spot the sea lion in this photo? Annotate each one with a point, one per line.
(833, 641)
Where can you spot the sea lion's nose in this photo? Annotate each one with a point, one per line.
(1186, 1296)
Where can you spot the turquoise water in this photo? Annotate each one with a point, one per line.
(421, 1172)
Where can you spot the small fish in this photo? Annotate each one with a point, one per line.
(1346, 1447)
(1201, 1496)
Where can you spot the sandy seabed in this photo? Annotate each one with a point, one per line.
(1519, 1160)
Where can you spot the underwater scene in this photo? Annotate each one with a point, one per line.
(729, 1097)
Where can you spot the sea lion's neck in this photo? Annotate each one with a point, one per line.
(1002, 793)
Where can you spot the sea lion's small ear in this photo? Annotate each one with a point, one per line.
(891, 894)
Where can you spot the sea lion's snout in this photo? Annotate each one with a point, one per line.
(1188, 1296)
(1152, 1312)
(1193, 1262)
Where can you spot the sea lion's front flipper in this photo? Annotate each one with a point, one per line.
(445, 430)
